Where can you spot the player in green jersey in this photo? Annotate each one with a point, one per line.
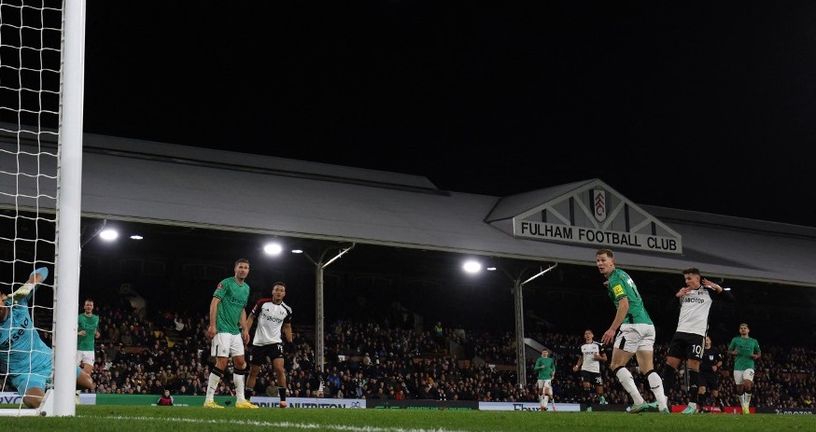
(746, 349)
(545, 367)
(229, 333)
(87, 332)
(632, 331)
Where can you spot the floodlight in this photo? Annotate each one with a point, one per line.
(273, 249)
(109, 234)
(472, 266)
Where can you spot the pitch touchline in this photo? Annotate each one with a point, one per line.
(274, 424)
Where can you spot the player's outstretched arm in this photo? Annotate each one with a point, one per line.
(36, 277)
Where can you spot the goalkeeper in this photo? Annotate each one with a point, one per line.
(24, 357)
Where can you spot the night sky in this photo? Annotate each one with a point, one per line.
(707, 106)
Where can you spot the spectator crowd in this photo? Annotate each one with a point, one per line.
(136, 355)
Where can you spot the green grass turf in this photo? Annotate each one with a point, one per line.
(196, 419)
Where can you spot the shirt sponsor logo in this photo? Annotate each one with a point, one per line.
(15, 333)
(693, 300)
(234, 301)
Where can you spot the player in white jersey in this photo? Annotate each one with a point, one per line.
(589, 363)
(689, 338)
(274, 320)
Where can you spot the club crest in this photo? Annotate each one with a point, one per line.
(599, 205)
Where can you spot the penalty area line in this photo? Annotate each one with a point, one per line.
(284, 424)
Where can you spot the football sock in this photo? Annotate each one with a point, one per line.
(212, 383)
(656, 384)
(628, 383)
(669, 375)
(692, 389)
(238, 379)
(282, 393)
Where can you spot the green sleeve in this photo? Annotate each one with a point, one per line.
(220, 290)
(617, 287)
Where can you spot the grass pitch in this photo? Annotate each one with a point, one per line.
(195, 419)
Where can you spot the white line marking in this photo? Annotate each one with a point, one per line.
(313, 426)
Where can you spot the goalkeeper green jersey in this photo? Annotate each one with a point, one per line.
(89, 324)
(620, 286)
(746, 347)
(233, 298)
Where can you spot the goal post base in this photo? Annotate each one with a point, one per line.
(22, 412)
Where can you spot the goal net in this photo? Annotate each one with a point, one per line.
(41, 55)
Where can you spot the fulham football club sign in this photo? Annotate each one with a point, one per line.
(595, 214)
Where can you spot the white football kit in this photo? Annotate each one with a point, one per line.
(270, 318)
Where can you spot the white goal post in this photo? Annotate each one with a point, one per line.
(69, 208)
(42, 50)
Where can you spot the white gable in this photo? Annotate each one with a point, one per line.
(594, 213)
